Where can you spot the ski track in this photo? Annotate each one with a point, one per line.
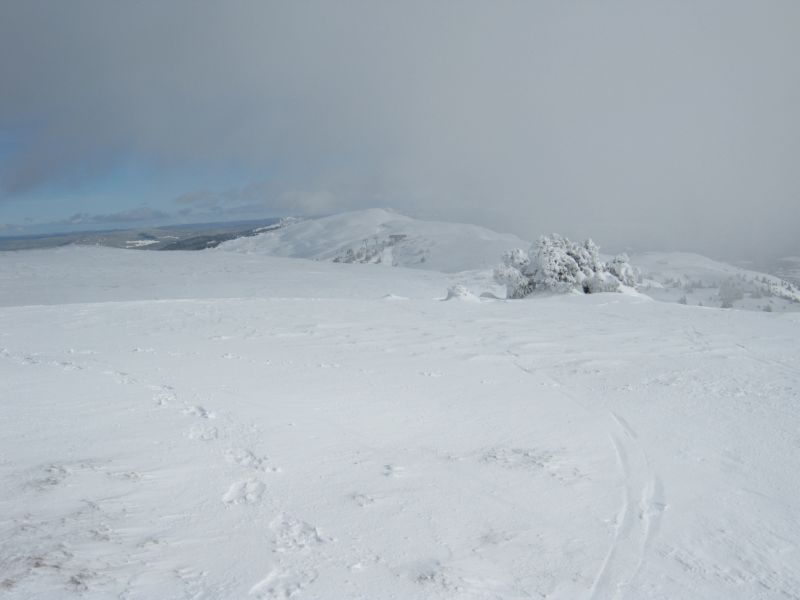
(638, 518)
(637, 521)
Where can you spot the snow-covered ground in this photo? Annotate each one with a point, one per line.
(223, 425)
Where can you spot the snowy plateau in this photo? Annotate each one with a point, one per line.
(244, 422)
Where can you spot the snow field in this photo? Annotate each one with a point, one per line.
(337, 431)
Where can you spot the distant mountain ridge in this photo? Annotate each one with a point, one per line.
(385, 237)
(382, 236)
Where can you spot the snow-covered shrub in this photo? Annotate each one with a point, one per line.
(556, 264)
(517, 258)
(518, 284)
(622, 270)
(553, 266)
(600, 282)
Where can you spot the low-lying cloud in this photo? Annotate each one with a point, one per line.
(142, 214)
(257, 199)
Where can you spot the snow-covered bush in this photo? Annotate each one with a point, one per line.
(553, 266)
(518, 283)
(517, 258)
(600, 282)
(556, 264)
(621, 269)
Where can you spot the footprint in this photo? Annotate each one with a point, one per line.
(517, 458)
(248, 491)
(199, 411)
(292, 535)
(125, 475)
(363, 499)
(164, 395)
(121, 377)
(67, 365)
(393, 471)
(283, 584)
(194, 580)
(429, 573)
(79, 582)
(203, 434)
(248, 460)
(52, 476)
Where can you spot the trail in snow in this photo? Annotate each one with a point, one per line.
(637, 520)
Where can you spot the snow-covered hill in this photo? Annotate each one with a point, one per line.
(385, 237)
(217, 425)
(381, 236)
(698, 280)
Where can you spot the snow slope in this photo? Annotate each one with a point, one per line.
(448, 247)
(212, 425)
(670, 276)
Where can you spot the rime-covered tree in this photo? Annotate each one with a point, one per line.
(556, 264)
(621, 269)
(513, 273)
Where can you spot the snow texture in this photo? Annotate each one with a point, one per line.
(217, 425)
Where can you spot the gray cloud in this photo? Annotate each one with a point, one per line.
(134, 215)
(141, 214)
(660, 123)
(259, 198)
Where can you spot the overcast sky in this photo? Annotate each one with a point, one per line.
(666, 123)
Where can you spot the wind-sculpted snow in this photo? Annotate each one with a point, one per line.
(213, 425)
